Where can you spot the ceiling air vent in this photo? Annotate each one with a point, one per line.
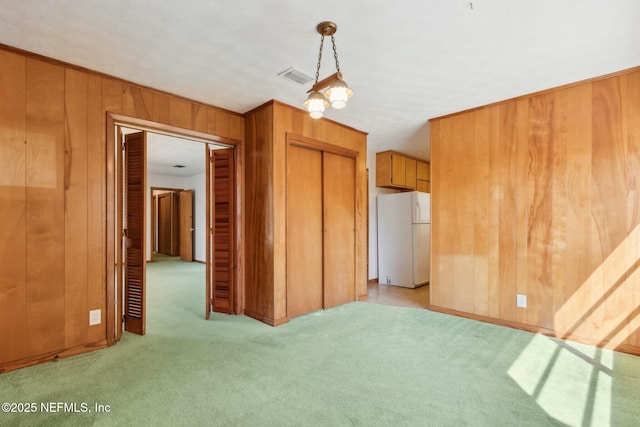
(295, 75)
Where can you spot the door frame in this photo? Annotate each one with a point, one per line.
(113, 214)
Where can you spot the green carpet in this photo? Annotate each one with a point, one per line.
(357, 364)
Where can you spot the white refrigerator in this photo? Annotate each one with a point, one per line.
(404, 239)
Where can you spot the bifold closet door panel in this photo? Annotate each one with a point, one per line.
(339, 210)
(304, 230)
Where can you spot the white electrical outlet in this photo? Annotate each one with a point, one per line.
(521, 301)
(95, 317)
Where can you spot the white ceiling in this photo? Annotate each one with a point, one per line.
(406, 60)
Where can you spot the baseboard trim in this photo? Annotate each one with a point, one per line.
(623, 348)
(372, 281)
(264, 319)
(199, 262)
(52, 356)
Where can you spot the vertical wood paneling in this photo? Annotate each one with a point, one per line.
(13, 268)
(75, 196)
(96, 206)
(462, 212)
(111, 96)
(137, 102)
(444, 243)
(521, 189)
(259, 214)
(53, 198)
(160, 112)
(480, 180)
(578, 240)
(507, 217)
(179, 112)
(279, 182)
(539, 283)
(493, 219)
(562, 210)
(211, 120)
(558, 241)
(199, 119)
(436, 229)
(45, 207)
(266, 130)
(633, 207)
(609, 207)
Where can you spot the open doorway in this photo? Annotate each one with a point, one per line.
(134, 205)
(172, 223)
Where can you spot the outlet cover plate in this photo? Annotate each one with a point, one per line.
(95, 317)
(521, 301)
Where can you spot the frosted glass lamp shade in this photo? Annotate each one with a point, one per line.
(338, 94)
(316, 104)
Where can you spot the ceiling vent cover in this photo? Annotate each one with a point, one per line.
(295, 75)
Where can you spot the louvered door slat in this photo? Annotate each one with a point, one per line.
(222, 274)
(135, 187)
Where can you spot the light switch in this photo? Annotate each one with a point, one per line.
(521, 301)
(95, 317)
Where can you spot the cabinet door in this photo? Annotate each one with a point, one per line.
(424, 186)
(383, 169)
(410, 173)
(398, 170)
(423, 171)
(304, 230)
(339, 229)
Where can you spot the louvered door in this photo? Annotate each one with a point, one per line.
(220, 226)
(135, 186)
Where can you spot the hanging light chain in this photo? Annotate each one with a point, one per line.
(320, 58)
(335, 53)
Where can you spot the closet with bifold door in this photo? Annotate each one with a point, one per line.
(320, 226)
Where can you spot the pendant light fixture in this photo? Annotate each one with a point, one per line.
(336, 91)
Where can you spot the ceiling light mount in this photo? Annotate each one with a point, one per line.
(327, 28)
(337, 92)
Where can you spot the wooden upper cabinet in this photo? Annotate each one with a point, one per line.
(397, 170)
(424, 171)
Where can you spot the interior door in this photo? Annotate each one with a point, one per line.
(186, 225)
(164, 224)
(220, 290)
(304, 230)
(339, 196)
(134, 275)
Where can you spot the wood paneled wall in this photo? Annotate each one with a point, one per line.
(266, 131)
(53, 196)
(540, 196)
